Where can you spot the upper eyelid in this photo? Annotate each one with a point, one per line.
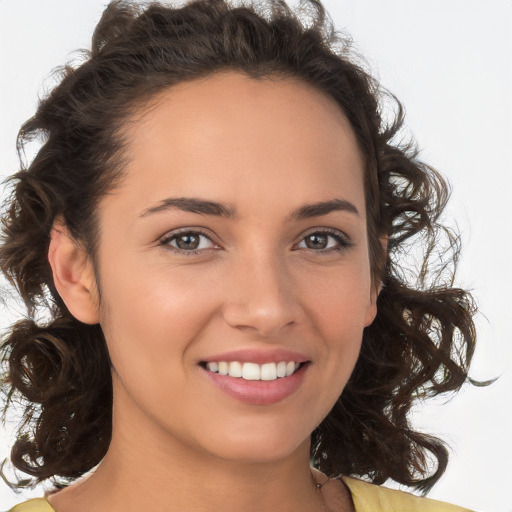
(180, 231)
(328, 231)
(165, 241)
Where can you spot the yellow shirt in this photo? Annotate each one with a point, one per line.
(366, 497)
(373, 498)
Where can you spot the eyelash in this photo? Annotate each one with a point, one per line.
(343, 242)
(195, 232)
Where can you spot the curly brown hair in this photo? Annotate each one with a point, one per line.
(422, 340)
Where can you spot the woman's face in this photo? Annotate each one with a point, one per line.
(236, 243)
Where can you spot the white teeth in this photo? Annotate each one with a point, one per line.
(281, 369)
(235, 369)
(268, 371)
(223, 368)
(253, 371)
(213, 367)
(290, 368)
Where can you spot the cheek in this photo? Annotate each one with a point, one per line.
(340, 310)
(341, 303)
(151, 324)
(150, 320)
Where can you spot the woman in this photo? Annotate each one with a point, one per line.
(213, 227)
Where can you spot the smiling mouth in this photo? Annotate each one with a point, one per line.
(253, 371)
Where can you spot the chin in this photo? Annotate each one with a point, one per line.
(256, 454)
(258, 445)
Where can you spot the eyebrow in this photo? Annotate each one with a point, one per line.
(323, 208)
(192, 205)
(205, 207)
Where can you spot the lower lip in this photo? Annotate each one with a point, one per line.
(259, 392)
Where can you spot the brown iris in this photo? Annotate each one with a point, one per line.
(316, 241)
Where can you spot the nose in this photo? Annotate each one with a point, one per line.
(262, 296)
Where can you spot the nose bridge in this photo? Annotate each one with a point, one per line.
(261, 295)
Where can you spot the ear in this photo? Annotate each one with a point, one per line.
(376, 286)
(73, 274)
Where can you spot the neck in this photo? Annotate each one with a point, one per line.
(152, 479)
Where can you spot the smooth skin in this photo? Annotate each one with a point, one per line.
(259, 276)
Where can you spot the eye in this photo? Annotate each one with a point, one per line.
(188, 242)
(323, 241)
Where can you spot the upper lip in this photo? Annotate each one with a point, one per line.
(258, 356)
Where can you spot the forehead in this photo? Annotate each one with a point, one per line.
(232, 134)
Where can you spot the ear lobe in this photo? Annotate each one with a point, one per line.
(371, 312)
(73, 275)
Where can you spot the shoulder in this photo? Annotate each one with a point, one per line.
(373, 498)
(35, 505)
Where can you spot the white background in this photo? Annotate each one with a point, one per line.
(450, 62)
